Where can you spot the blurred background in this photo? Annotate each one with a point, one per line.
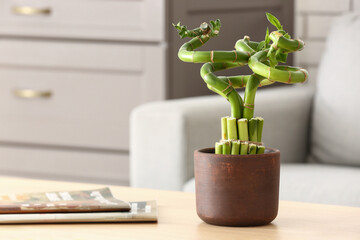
(71, 72)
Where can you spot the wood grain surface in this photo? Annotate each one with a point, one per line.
(178, 219)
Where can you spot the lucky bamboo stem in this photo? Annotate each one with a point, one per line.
(224, 134)
(252, 148)
(260, 150)
(253, 126)
(235, 148)
(227, 147)
(243, 129)
(244, 148)
(219, 148)
(260, 123)
(249, 97)
(232, 128)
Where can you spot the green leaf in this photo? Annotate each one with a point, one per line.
(287, 36)
(282, 57)
(271, 49)
(215, 27)
(260, 46)
(267, 38)
(274, 21)
(273, 61)
(182, 30)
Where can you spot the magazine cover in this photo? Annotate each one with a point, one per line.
(98, 200)
(145, 211)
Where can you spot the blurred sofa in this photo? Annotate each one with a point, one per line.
(316, 130)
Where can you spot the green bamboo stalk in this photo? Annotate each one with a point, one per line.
(219, 147)
(246, 45)
(235, 148)
(260, 150)
(244, 148)
(220, 85)
(224, 134)
(260, 125)
(249, 97)
(243, 129)
(232, 128)
(284, 74)
(253, 126)
(252, 148)
(227, 147)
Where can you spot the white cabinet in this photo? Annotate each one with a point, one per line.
(70, 73)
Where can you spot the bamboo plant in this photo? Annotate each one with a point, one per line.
(241, 133)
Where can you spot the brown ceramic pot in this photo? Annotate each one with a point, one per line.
(237, 190)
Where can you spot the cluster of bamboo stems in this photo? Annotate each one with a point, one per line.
(240, 136)
(242, 132)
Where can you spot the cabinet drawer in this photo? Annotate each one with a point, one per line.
(73, 107)
(73, 55)
(65, 165)
(141, 20)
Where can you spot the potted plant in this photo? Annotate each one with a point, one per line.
(237, 182)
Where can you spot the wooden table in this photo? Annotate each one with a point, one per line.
(178, 219)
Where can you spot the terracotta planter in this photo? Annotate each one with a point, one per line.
(237, 190)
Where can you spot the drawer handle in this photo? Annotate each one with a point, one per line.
(26, 10)
(29, 93)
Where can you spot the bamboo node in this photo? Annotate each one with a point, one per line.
(269, 73)
(235, 56)
(304, 72)
(212, 66)
(228, 93)
(200, 39)
(298, 40)
(228, 86)
(289, 77)
(247, 105)
(212, 56)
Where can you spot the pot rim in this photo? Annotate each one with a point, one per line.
(211, 151)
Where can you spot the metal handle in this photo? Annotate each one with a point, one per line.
(29, 93)
(26, 10)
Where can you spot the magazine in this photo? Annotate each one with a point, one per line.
(98, 200)
(145, 211)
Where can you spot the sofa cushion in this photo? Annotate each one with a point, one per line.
(318, 183)
(335, 127)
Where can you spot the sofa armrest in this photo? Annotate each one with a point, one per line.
(164, 135)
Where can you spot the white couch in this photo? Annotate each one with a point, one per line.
(317, 133)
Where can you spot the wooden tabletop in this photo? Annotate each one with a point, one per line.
(178, 219)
